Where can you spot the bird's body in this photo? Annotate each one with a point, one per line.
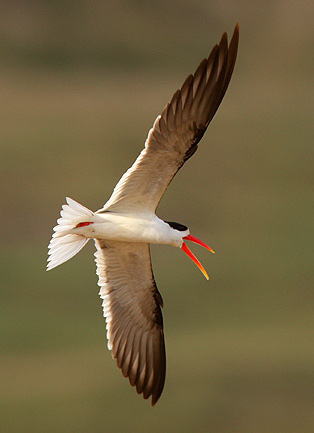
(125, 226)
(146, 227)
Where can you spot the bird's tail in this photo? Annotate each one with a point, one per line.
(64, 243)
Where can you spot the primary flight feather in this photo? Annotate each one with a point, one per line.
(127, 224)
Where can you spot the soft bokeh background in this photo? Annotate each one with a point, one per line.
(81, 84)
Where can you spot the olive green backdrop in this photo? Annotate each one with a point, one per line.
(81, 84)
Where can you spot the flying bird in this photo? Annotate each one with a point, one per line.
(125, 226)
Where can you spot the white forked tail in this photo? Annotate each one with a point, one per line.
(64, 243)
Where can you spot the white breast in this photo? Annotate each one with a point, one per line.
(140, 228)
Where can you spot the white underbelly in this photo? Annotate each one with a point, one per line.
(129, 229)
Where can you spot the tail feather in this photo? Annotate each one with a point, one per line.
(64, 244)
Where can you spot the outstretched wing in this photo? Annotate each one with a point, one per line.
(131, 305)
(176, 132)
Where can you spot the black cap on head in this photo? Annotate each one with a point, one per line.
(177, 226)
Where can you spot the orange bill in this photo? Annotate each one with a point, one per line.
(195, 260)
(197, 241)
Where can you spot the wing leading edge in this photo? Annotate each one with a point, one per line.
(176, 132)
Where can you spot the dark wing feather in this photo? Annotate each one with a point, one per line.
(176, 132)
(131, 304)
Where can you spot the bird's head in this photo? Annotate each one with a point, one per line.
(185, 235)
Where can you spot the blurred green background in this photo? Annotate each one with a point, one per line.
(81, 84)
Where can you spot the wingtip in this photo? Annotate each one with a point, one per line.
(235, 35)
(154, 401)
(236, 32)
(223, 38)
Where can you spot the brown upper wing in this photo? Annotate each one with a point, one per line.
(176, 132)
(131, 304)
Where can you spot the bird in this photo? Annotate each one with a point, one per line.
(127, 224)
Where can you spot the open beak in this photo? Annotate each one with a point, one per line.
(191, 255)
